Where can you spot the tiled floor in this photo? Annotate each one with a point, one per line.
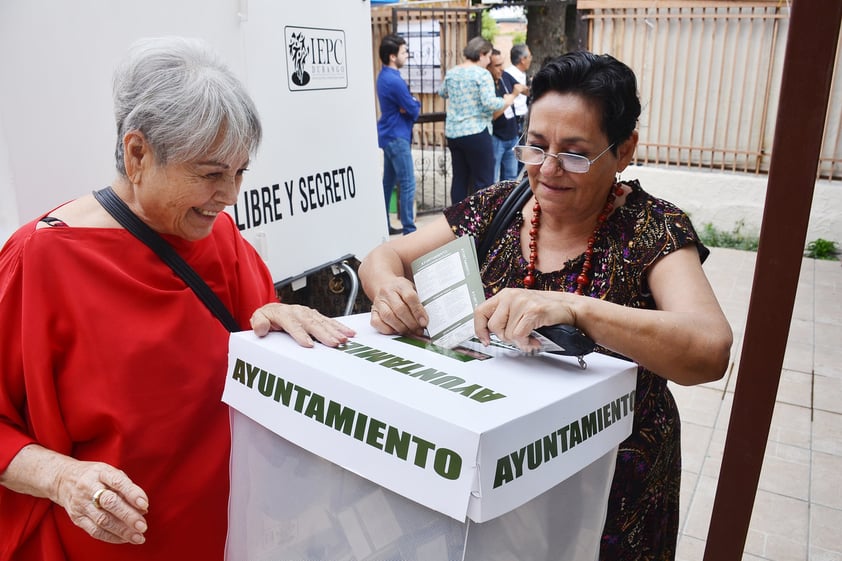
(798, 510)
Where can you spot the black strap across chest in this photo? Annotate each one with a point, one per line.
(129, 220)
(504, 216)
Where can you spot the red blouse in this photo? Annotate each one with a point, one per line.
(106, 355)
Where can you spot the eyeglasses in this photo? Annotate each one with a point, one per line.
(574, 163)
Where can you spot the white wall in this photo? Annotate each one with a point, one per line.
(8, 210)
(726, 199)
(55, 91)
(56, 112)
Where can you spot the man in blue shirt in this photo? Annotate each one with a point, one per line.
(398, 112)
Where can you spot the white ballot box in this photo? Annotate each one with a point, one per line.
(390, 449)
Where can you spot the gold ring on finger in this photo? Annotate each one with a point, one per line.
(97, 495)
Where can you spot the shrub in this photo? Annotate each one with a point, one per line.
(735, 239)
(821, 249)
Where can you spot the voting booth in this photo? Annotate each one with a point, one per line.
(390, 448)
(313, 193)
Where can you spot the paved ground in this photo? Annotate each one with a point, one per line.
(798, 510)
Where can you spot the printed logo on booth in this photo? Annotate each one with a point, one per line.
(316, 58)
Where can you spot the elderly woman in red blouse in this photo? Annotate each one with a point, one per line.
(113, 440)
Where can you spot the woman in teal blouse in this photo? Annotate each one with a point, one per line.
(471, 103)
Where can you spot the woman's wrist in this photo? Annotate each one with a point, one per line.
(35, 471)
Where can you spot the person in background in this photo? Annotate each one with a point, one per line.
(471, 103)
(595, 252)
(114, 441)
(398, 112)
(504, 134)
(521, 58)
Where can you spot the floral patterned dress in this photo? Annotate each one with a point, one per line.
(642, 520)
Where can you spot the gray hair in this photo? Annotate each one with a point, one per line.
(183, 99)
(518, 53)
(477, 47)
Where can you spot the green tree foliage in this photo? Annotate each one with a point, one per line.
(490, 29)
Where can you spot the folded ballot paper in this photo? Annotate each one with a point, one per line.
(449, 285)
(450, 288)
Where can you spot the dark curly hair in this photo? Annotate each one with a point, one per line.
(601, 79)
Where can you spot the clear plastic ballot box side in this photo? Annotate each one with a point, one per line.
(288, 504)
(387, 449)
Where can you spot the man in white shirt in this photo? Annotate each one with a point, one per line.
(521, 60)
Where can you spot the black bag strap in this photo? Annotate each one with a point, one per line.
(129, 220)
(503, 217)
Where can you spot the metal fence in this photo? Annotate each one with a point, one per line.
(709, 75)
(435, 38)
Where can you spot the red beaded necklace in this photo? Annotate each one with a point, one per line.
(583, 279)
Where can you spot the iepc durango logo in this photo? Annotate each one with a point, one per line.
(316, 58)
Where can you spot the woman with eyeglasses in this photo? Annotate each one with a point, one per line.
(589, 250)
